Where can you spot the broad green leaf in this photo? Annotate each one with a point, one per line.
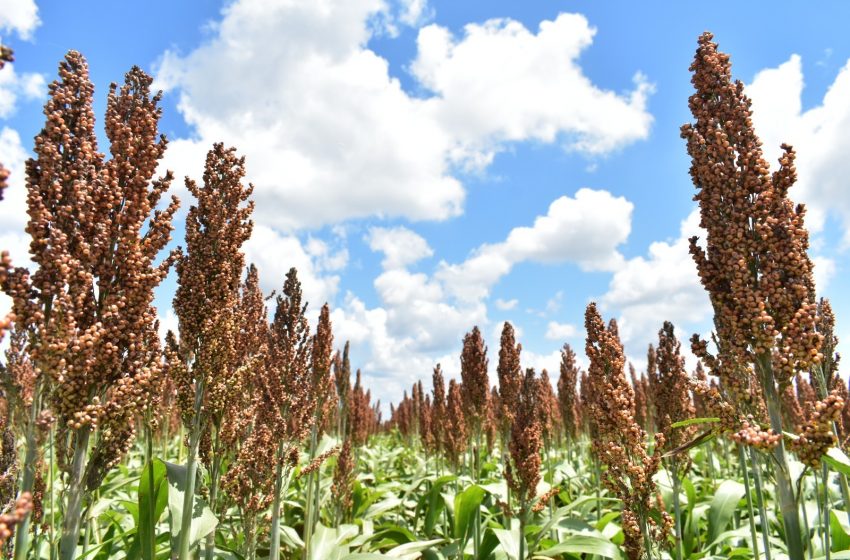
(153, 499)
(837, 461)
(838, 535)
(203, 519)
(290, 537)
(509, 540)
(376, 510)
(326, 543)
(412, 547)
(436, 503)
(583, 544)
(467, 504)
(723, 506)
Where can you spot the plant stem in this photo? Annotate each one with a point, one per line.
(27, 481)
(677, 509)
(308, 504)
(184, 543)
(274, 536)
(215, 476)
(742, 459)
(765, 523)
(784, 484)
(72, 521)
(151, 493)
(827, 545)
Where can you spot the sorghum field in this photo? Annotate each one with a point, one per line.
(249, 434)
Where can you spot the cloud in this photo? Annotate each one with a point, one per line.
(664, 285)
(330, 135)
(13, 87)
(820, 135)
(502, 83)
(585, 230)
(423, 317)
(19, 16)
(13, 208)
(560, 331)
(401, 246)
(275, 253)
(506, 305)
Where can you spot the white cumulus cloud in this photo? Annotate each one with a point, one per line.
(820, 135)
(19, 16)
(401, 246)
(330, 135)
(560, 331)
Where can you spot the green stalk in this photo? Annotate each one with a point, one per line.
(308, 505)
(151, 490)
(52, 478)
(784, 484)
(598, 480)
(765, 524)
(826, 547)
(72, 521)
(215, 477)
(522, 521)
(184, 545)
(677, 509)
(742, 459)
(279, 489)
(27, 481)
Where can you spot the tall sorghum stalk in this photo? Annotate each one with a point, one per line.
(206, 303)
(620, 443)
(475, 389)
(87, 308)
(324, 396)
(288, 406)
(522, 470)
(568, 397)
(247, 480)
(669, 390)
(754, 263)
(510, 377)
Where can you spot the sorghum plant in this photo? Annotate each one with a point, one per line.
(342, 383)
(324, 396)
(454, 426)
(438, 409)
(568, 396)
(87, 308)
(206, 303)
(475, 388)
(669, 386)
(754, 263)
(522, 471)
(510, 377)
(288, 407)
(620, 444)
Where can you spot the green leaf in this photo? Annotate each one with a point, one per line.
(839, 537)
(153, 499)
(376, 510)
(509, 540)
(203, 519)
(467, 504)
(583, 544)
(436, 504)
(327, 543)
(723, 506)
(692, 421)
(412, 547)
(838, 461)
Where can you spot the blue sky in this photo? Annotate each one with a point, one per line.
(433, 165)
